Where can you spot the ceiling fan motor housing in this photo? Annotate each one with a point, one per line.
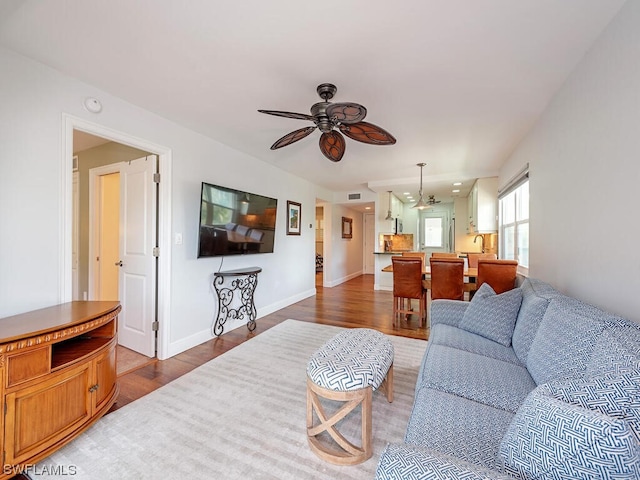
(319, 112)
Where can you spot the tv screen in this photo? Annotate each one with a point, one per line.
(233, 222)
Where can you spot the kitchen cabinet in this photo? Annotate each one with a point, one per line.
(483, 206)
(58, 376)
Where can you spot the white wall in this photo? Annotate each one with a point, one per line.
(584, 156)
(34, 99)
(344, 259)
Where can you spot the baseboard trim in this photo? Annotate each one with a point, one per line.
(205, 335)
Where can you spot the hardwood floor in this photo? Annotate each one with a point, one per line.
(352, 304)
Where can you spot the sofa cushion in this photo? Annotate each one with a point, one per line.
(409, 462)
(565, 340)
(535, 299)
(456, 426)
(493, 316)
(617, 396)
(551, 439)
(471, 342)
(617, 349)
(482, 379)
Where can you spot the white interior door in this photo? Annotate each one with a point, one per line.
(369, 243)
(137, 280)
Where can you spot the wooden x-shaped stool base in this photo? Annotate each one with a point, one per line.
(344, 452)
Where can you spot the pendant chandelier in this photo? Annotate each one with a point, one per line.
(389, 217)
(421, 204)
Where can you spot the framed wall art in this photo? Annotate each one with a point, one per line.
(294, 213)
(347, 227)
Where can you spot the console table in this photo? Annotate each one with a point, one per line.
(243, 282)
(57, 377)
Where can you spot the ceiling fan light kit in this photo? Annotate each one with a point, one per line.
(347, 117)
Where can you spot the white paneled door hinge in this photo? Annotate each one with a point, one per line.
(155, 326)
(156, 178)
(156, 251)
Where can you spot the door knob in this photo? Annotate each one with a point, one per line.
(118, 264)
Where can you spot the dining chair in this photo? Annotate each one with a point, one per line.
(447, 278)
(242, 229)
(500, 274)
(444, 255)
(421, 255)
(408, 285)
(474, 257)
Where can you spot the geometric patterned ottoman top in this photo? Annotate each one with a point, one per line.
(354, 359)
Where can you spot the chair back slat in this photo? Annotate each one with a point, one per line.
(447, 278)
(500, 274)
(407, 277)
(474, 257)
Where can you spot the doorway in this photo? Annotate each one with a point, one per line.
(159, 231)
(121, 221)
(107, 218)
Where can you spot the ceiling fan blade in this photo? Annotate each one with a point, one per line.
(346, 112)
(367, 133)
(277, 113)
(292, 137)
(332, 145)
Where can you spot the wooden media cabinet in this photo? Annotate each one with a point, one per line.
(57, 377)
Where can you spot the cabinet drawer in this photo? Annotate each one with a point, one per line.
(22, 367)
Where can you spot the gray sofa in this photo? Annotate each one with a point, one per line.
(529, 384)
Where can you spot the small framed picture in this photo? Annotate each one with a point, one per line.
(347, 227)
(74, 165)
(294, 212)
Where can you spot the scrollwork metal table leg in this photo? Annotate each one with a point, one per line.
(245, 285)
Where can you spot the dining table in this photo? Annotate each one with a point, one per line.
(426, 270)
(470, 274)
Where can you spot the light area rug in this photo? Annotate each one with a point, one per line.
(241, 415)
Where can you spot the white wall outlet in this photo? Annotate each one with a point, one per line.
(178, 239)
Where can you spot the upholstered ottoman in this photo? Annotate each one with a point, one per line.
(348, 368)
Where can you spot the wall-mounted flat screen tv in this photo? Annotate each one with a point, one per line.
(234, 222)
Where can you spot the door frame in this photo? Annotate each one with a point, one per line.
(163, 293)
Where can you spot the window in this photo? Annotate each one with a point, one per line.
(514, 224)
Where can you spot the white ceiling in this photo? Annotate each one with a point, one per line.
(457, 82)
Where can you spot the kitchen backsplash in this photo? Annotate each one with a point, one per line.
(395, 243)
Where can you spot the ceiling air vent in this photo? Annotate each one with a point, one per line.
(354, 196)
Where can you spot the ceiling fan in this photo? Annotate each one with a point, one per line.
(432, 200)
(346, 117)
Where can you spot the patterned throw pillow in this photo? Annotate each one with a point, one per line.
(552, 439)
(617, 396)
(492, 316)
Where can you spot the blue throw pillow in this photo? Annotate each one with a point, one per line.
(492, 316)
(552, 439)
